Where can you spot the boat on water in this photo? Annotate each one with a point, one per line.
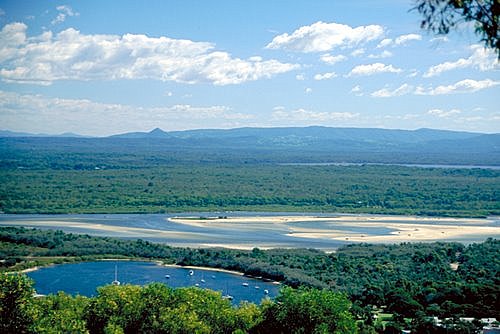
(245, 284)
(228, 297)
(266, 291)
(116, 281)
(191, 273)
(167, 276)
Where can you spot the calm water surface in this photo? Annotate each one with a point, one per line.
(83, 278)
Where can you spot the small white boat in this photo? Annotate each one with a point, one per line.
(197, 285)
(167, 276)
(228, 297)
(257, 287)
(116, 281)
(266, 291)
(191, 273)
(245, 284)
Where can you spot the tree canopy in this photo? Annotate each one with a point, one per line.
(440, 16)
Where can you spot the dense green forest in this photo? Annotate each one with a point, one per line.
(408, 281)
(249, 169)
(250, 187)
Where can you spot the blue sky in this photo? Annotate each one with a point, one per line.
(107, 67)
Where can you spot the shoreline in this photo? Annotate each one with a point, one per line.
(157, 262)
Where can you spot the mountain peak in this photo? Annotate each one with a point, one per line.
(156, 131)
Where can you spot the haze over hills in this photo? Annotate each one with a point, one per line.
(283, 145)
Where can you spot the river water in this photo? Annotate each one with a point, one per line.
(260, 229)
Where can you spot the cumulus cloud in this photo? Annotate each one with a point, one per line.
(358, 52)
(401, 40)
(104, 118)
(64, 12)
(401, 90)
(481, 58)
(357, 90)
(464, 86)
(310, 116)
(384, 43)
(70, 55)
(331, 60)
(300, 77)
(308, 90)
(325, 76)
(370, 69)
(322, 36)
(443, 113)
(384, 54)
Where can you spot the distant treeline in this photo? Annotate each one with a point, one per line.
(251, 187)
(241, 170)
(426, 279)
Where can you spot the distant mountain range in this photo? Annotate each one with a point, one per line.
(300, 143)
(7, 133)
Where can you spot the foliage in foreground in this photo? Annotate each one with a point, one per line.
(156, 308)
(434, 279)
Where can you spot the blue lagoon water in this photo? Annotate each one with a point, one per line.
(84, 278)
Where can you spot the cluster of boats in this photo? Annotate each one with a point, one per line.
(226, 296)
(202, 280)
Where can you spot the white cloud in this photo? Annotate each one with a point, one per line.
(300, 77)
(439, 39)
(308, 90)
(401, 90)
(385, 42)
(384, 54)
(304, 115)
(64, 12)
(481, 58)
(403, 39)
(464, 86)
(325, 76)
(443, 113)
(73, 115)
(70, 55)
(371, 69)
(331, 60)
(169, 93)
(357, 90)
(358, 52)
(322, 36)
(413, 73)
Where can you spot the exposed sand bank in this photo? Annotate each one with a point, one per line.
(401, 228)
(288, 231)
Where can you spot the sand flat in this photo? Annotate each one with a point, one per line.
(398, 228)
